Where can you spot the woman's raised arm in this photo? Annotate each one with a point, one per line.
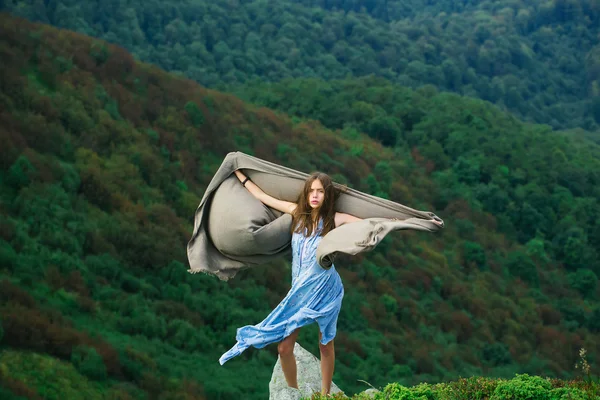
(343, 218)
(280, 205)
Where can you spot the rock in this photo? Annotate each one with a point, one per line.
(370, 393)
(286, 393)
(309, 378)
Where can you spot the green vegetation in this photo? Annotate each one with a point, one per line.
(104, 161)
(539, 59)
(521, 387)
(473, 153)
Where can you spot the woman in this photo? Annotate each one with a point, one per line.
(316, 293)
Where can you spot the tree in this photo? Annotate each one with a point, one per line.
(496, 354)
(384, 129)
(521, 266)
(194, 114)
(21, 173)
(473, 254)
(467, 169)
(89, 363)
(584, 280)
(595, 108)
(572, 247)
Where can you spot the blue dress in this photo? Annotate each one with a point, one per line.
(316, 295)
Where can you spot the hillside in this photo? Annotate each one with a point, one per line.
(538, 59)
(462, 143)
(104, 161)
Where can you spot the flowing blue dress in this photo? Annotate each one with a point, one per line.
(316, 295)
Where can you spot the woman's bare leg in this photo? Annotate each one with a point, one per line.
(288, 361)
(327, 364)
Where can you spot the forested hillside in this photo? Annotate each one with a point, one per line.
(538, 59)
(462, 150)
(104, 161)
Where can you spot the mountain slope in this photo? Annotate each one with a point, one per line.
(104, 161)
(538, 59)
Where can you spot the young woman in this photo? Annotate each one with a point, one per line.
(316, 293)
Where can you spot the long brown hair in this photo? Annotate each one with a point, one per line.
(304, 216)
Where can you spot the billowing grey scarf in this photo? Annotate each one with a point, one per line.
(233, 230)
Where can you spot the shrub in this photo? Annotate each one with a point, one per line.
(390, 303)
(8, 256)
(423, 390)
(584, 281)
(565, 393)
(521, 266)
(523, 387)
(105, 266)
(472, 388)
(496, 354)
(395, 391)
(88, 362)
(20, 173)
(474, 254)
(194, 114)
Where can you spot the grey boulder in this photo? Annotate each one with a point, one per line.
(309, 378)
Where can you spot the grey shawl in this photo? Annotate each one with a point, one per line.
(233, 230)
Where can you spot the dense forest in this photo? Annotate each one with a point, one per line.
(478, 159)
(104, 160)
(538, 59)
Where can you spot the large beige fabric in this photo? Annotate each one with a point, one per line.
(233, 230)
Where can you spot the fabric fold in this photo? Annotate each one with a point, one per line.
(233, 230)
(363, 236)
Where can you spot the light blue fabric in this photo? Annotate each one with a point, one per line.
(316, 295)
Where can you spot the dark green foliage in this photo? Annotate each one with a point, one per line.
(585, 281)
(8, 256)
(88, 362)
(93, 235)
(496, 354)
(130, 284)
(573, 315)
(70, 179)
(21, 173)
(596, 109)
(105, 266)
(99, 52)
(504, 179)
(390, 303)
(194, 113)
(467, 170)
(573, 249)
(539, 60)
(522, 266)
(9, 395)
(474, 254)
(594, 320)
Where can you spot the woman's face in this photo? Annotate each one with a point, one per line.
(316, 195)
